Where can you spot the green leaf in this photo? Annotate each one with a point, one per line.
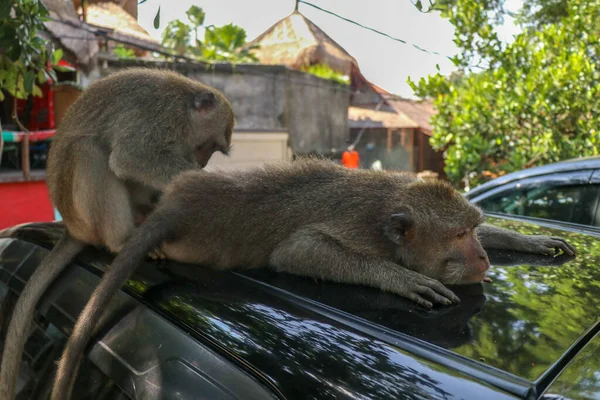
(7, 36)
(56, 56)
(196, 15)
(28, 79)
(42, 77)
(419, 5)
(1, 95)
(37, 91)
(52, 74)
(5, 6)
(157, 19)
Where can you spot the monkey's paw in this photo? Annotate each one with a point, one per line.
(157, 254)
(415, 285)
(550, 245)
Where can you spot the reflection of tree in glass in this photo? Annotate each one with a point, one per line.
(580, 380)
(533, 314)
(309, 357)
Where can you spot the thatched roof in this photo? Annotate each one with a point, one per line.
(104, 20)
(295, 41)
(367, 118)
(419, 111)
(112, 17)
(69, 31)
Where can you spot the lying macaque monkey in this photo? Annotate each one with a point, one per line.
(313, 218)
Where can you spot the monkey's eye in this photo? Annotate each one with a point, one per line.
(461, 234)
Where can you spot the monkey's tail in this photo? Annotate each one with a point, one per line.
(147, 237)
(51, 266)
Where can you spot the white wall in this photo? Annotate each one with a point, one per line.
(251, 149)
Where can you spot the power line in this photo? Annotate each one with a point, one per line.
(374, 30)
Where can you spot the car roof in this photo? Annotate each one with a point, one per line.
(576, 164)
(510, 336)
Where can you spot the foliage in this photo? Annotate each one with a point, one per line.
(227, 43)
(123, 53)
(196, 15)
(325, 72)
(536, 101)
(24, 57)
(176, 36)
(224, 43)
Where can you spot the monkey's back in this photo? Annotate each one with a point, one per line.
(138, 102)
(236, 219)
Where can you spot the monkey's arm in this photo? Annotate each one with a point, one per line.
(314, 253)
(158, 168)
(492, 237)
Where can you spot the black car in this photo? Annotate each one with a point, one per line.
(186, 332)
(566, 191)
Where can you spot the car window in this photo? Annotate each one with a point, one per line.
(568, 203)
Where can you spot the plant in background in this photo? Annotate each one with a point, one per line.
(123, 52)
(25, 59)
(176, 36)
(227, 43)
(224, 43)
(530, 102)
(325, 72)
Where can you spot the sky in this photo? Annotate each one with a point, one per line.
(385, 62)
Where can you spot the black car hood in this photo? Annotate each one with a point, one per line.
(524, 323)
(535, 309)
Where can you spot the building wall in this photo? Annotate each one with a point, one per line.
(433, 160)
(264, 98)
(252, 149)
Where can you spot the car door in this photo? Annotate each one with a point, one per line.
(568, 197)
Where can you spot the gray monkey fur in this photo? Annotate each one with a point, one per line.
(292, 218)
(117, 148)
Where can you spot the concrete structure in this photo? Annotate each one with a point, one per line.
(269, 98)
(251, 149)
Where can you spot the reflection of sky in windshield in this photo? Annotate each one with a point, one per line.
(311, 353)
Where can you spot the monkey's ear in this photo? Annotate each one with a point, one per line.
(399, 225)
(205, 100)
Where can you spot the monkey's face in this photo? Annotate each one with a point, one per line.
(212, 125)
(451, 255)
(465, 261)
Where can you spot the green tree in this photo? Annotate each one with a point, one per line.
(177, 36)
(196, 15)
(25, 58)
(533, 101)
(225, 43)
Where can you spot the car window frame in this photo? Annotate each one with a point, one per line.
(585, 177)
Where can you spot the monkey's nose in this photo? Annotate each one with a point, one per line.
(483, 264)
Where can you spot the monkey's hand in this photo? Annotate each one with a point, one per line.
(157, 254)
(493, 237)
(548, 245)
(414, 286)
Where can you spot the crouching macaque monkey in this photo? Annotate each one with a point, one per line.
(117, 148)
(388, 231)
